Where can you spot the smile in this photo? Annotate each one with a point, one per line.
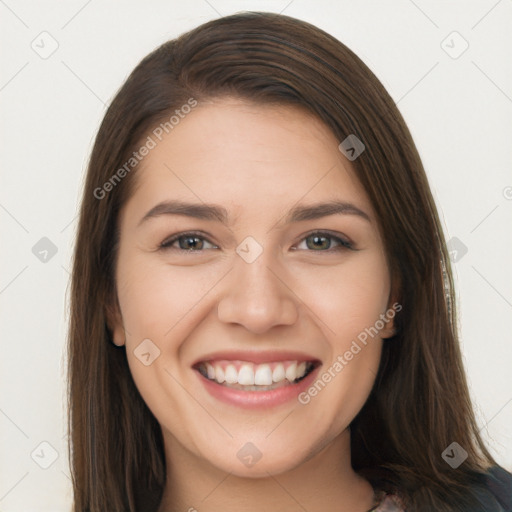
(256, 379)
(248, 376)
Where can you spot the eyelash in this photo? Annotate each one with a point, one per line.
(166, 245)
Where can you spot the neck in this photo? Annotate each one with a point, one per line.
(325, 482)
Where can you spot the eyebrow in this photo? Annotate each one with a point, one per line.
(218, 213)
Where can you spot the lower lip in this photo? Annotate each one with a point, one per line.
(257, 399)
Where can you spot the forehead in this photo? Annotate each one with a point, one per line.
(230, 151)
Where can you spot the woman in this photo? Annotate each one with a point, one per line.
(262, 303)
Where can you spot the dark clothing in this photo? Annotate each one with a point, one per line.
(495, 495)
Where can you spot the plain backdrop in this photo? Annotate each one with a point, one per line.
(446, 64)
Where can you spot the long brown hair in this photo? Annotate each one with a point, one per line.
(420, 402)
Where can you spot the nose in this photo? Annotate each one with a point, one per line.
(257, 297)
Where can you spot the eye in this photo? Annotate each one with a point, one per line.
(321, 241)
(189, 242)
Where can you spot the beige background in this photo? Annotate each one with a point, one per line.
(457, 105)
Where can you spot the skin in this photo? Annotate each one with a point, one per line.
(257, 162)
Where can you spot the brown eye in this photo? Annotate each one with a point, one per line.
(188, 242)
(194, 243)
(318, 242)
(323, 242)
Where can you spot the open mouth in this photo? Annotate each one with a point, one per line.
(248, 376)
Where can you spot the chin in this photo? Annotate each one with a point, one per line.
(261, 459)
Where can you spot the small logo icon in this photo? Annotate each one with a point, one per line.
(457, 249)
(45, 45)
(454, 45)
(249, 454)
(44, 455)
(351, 147)
(454, 455)
(249, 249)
(44, 250)
(146, 352)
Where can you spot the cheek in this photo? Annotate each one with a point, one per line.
(348, 298)
(155, 298)
(348, 302)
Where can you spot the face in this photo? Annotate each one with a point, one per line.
(249, 275)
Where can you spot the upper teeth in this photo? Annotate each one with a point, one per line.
(249, 374)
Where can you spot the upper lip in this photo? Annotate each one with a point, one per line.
(256, 357)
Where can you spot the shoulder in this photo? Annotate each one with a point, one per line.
(386, 502)
(498, 482)
(491, 489)
(494, 494)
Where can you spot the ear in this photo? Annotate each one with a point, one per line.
(114, 321)
(389, 330)
(393, 308)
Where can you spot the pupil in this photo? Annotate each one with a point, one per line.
(190, 242)
(319, 242)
